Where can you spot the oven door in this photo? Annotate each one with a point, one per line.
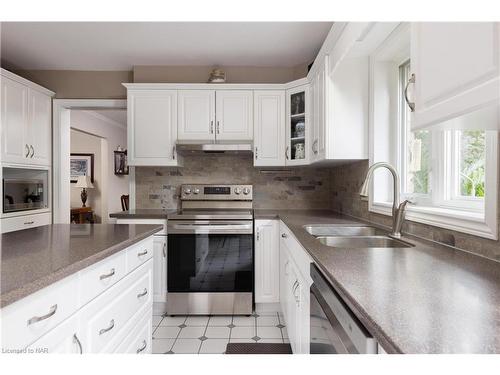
(208, 256)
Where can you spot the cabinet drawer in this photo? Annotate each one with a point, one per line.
(102, 275)
(139, 341)
(65, 338)
(139, 253)
(297, 252)
(106, 316)
(26, 320)
(11, 224)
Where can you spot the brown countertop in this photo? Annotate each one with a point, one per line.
(32, 259)
(429, 298)
(145, 213)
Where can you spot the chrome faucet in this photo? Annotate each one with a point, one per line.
(398, 209)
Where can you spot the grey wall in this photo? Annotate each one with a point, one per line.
(300, 188)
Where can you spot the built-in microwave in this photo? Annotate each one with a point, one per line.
(24, 189)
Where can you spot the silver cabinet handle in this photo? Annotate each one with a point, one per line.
(29, 222)
(77, 342)
(410, 104)
(164, 250)
(27, 151)
(212, 127)
(256, 152)
(111, 326)
(36, 319)
(218, 127)
(144, 344)
(258, 235)
(286, 152)
(173, 153)
(283, 235)
(142, 253)
(315, 146)
(143, 293)
(32, 151)
(102, 277)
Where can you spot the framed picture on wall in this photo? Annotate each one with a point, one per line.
(81, 165)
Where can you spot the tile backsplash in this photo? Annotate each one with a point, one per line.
(159, 187)
(346, 181)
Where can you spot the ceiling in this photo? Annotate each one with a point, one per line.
(121, 45)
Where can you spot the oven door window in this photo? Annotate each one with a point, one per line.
(210, 263)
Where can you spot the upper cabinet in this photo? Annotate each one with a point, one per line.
(297, 126)
(456, 69)
(26, 121)
(269, 128)
(209, 115)
(196, 115)
(152, 127)
(234, 115)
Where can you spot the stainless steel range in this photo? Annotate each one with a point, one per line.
(210, 251)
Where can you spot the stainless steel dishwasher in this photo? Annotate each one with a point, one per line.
(334, 328)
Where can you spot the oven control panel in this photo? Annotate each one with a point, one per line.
(217, 192)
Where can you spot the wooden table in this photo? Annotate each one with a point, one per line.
(81, 215)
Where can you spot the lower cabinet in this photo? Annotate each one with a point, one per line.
(160, 269)
(267, 261)
(294, 292)
(116, 318)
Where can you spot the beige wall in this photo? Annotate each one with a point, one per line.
(88, 144)
(76, 84)
(234, 74)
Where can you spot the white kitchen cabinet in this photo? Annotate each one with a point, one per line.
(297, 126)
(269, 128)
(318, 112)
(26, 121)
(159, 268)
(209, 115)
(266, 261)
(456, 67)
(234, 115)
(39, 133)
(152, 127)
(64, 339)
(196, 115)
(295, 282)
(67, 317)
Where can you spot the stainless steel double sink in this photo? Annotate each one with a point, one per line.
(353, 237)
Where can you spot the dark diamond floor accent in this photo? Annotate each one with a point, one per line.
(182, 326)
(256, 338)
(280, 326)
(203, 338)
(231, 325)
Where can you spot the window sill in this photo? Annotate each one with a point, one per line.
(474, 223)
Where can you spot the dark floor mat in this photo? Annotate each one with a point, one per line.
(251, 348)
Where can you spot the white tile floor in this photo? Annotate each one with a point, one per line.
(211, 334)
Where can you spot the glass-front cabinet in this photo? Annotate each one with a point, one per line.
(297, 127)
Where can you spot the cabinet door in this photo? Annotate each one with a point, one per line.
(303, 308)
(269, 130)
(456, 67)
(297, 126)
(266, 261)
(196, 115)
(321, 112)
(283, 283)
(39, 133)
(314, 117)
(234, 115)
(159, 269)
(152, 127)
(65, 338)
(14, 121)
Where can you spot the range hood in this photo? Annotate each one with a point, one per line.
(186, 147)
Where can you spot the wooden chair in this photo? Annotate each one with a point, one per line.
(124, 200)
